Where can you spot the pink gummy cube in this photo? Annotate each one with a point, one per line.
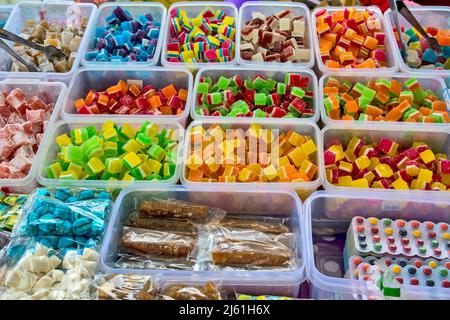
(36, 103)
(21, 163)
(330, 157)
(35, 115)
(444, 166)
(385, 145)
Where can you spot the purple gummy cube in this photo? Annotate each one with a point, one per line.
(149, 16)
(101, 43)
(132, 57)
(120, 14)
(135, 26)
(122, 53)
(140, 35)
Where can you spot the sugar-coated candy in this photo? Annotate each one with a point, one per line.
(219, 155)
(391, 165)
(115, 152)
(133, 97)
(419, 55)
(62, 35)
(256, 96)
(208, 37)
(351, 38)
(11, 206)
(23, 119)
(279, 37)
(383, 100)
(125, 38)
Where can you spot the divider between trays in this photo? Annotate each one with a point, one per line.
(268, 71)
(43, 180)
(273, 7)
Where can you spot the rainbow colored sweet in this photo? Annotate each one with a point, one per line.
(219, 155)
(351, 39)
(384, 164)
(383, 100)
(208, 37)
(115, 152)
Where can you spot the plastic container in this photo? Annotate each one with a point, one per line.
(56, 91)
(304, 189)
(276, 203)
(426, 81)
(269, 8)
(102, 77)
(55, 11)
(193, 8)
(428, 16)
(158, 12)
(392, 63)
(327, 216)
(271, 71)
(5, 12)
(438, 139)
(50, 150)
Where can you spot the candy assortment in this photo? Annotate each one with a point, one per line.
(279, 37)
(220, 155)
(351, 38)
(383, 100)
(384, 164)
(208, 37)
(23, 121)
(131, 96)
(125, 38)
(256, 96)
(11, 206)
(116, 152)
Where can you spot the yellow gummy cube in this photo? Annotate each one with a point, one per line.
(360, 183)
(345, 181)
(228, 20)
(438, 186)
(230, 171)
(189, 54)
(417, 184)
(309, 147)
(425, 175)
(132, 160)
(127, 177)
(63, 140)
(132, 146)
(373, 163)
(255, 168)
(213, 166)
(153, 165)
(362, 162)
(197, 22)
(128, 130)
(445, 179)
(345, 166)
(296, 139)
(254, 130)
(297, 156)
(400, 184)
(427, 156)
(95, 165)
(75, 167)
(194, 162)
(283, 161)
(108, 125)
(441, 156)
(69, 174)
(384, 171)
(245, 175)
(270, 172)
(369, 176)
(109, 133)
(338, 151)
(349, 156)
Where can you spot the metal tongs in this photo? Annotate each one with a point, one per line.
(51, 52)
(399, 6)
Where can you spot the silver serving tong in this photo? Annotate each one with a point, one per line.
(51, 52)
(393, 7)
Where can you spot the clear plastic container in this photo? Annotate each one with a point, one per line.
(193, 8)
(327, 216)
(425, 80)
(54, 11)
(303, 189)
(428, 16)
(50, 150)
(5, 12)
(101, 77)
(437, 139)
(158, 12)
(272, 71)
(392, 63)
(275, 203)
(269, 8)
(55, 91)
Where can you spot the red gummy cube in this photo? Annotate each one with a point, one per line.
(329, 157)
(412, 154)
(127, 101)
(277, 112)
(444, 166)
(385, 145)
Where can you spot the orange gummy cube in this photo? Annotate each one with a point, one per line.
(169, 91)
(195, 175)
(123, 86)
(182, 94)
(79, 103)
(332, 64)
(155, 101)
(166, 110)
(134, 90)
(330, 91)
(89, 98)
(439, 106)
(347, 117)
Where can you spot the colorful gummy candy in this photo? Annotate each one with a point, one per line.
(419, 55)
(208, 37)
(23, 120)
(351, 39)
(50, 33)
(218, 155)
(257, 96)
(61, 219)
(132, 97)
(383, 164)
(415, 271)
(115, 152)
(373, 236)
(125, 38)
(383, 100)
(279, 37)
(11, 206)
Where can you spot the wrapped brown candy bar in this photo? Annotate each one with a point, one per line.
(261, 226)
(188, 292)
(126, 287)
(173, 209)
(180, 226)
(157, 243)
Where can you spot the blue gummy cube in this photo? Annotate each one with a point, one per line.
(429, 55)
(119, 40)
(142, 20)
(126, 25)
(111, 19)
(86, 195)
(43, 192)
(92, 55)
(100, 32)
(65, 242)
(153, 33)
(126, 36)
(104, 195)
(116, 58)
(446, 52)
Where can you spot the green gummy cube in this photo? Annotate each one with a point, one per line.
(270, 84)
(298, 92)
(248, 84)
(207, 80)
(260, 99)
(369, 93)
(54, 170)
(74, 154)
(281, 88)
(222, 109)
(144, 140)
(364, 102)
(156, 152)
(153, 176)
(223, 82)
(258, 83)
(91, 130)
(410, 82)
(347, 84)
(168, 169)
(216, 98)
(359, 87)
(363, 117)
(419, 94)
(258, 113)
(383, 82)
(437, 117)
(203, 88)
(235, 112)
(430, 92)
